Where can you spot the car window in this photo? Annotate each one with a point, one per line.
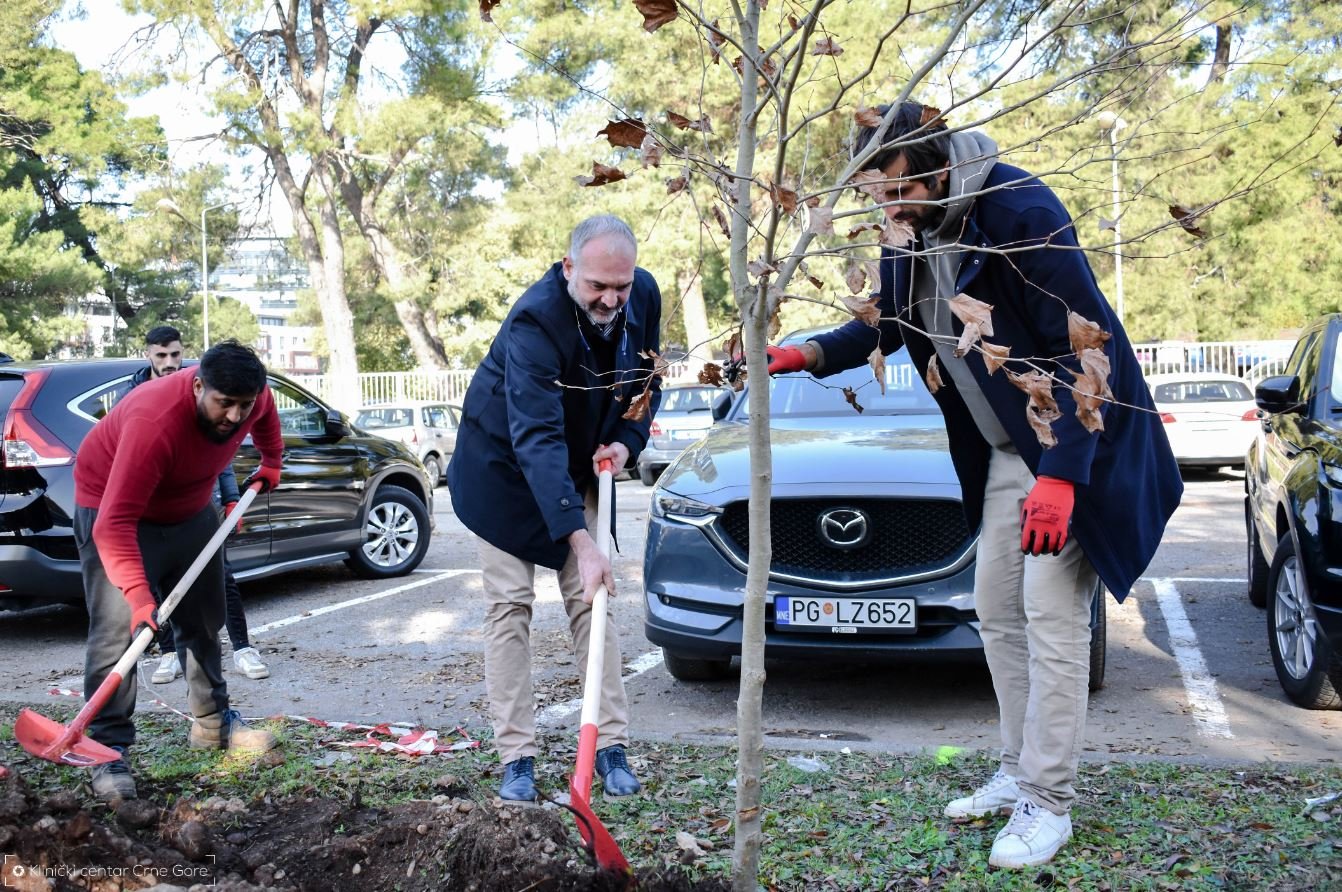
(1309, 368)
(372, 419)
(686, 399)
(96, 403)
(800, 394)
(300, 415)
(1302, 348)
(1335, 382)
(438, 417)
(1202, 392)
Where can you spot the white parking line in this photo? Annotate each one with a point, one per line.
(557, 712)
(354, 602)
(1204, 701)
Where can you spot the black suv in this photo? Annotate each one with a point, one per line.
(1293, 512)
(343, 496)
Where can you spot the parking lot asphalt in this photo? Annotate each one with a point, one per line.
(1189, 674)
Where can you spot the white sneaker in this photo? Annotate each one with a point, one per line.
(249, 661)
(1032, 836)
(168, 669)
(993, 798)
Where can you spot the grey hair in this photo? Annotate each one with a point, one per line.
(597, 227)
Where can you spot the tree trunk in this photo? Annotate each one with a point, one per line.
(1221, 57)
(694, 313)
(750, 700)
(337, 319)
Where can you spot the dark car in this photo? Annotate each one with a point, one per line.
(343, 496)
(1293, 515)
(871, 553)
(685, 414)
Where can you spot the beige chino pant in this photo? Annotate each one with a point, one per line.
(509, 584)
(1035, 624)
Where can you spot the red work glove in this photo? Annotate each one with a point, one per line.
(1043, 520)
(268, 477)
(228, 509)
(143, 610)
(785, 359)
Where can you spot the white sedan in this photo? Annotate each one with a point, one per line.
(1210, 419)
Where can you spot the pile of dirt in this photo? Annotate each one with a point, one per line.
(64, 842)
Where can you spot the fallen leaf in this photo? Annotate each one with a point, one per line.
(601, 175)
(676, 184)
(970, 310)
(638, 406)
(869, 182)
(651, 151)
(627, 133)
(656, 13)
(820, 221)
(994, 355)
(933, 375)
(856, 277)
(687, 843)
(896, 234)
(876, 359)
(851, 395)
(683, 123)
(1188, 219)
(826, 46)
(867, 117)
(759, 268)
(863, 308)
(1083, 333)
(784, 197)
(711, 373)
(865, 227)
(722, 221)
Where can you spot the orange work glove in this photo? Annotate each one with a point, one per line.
(785, 359)
(268, 477)
(143, 610)
(1044, 518)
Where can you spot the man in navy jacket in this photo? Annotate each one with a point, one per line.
(545, 406)
(1052, 519)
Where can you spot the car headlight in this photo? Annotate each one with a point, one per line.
(673, 507)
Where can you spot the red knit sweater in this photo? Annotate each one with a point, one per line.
(148, 460)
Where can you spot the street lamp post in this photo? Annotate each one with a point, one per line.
(1110, 123)
(167, 204)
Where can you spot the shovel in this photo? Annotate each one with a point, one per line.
(594, 833)
(49, 739)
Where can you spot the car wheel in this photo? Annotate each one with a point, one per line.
(1258, 567)
(1099, 644)
(685, 668)
(645, 473)
(1307, 668)
(434, 466)
(395, 535)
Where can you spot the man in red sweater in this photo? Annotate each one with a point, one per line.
(144, 477)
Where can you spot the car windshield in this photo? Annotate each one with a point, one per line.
(1203, 392)
(687, 399)
(372, 419)
(802, 395)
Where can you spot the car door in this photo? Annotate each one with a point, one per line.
(1285, 434)
(317, 505)
(444, 431)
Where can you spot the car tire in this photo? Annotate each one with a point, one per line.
(1257, 565)
(1099, 640)
(1307, 667)
(646, 475)
(686, 668)
(434, 466)
(396, 535)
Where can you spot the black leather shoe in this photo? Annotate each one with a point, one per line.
(616, 776)
(519, 780)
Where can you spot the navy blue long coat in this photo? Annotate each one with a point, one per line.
(523, 455)
(1127, 482)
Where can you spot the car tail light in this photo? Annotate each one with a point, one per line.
(1167, 417)
(1251, 415)
(28, 443)
(655, 430)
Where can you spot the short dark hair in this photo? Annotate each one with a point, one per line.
(162, 336)
(232, 369)
(929, 151)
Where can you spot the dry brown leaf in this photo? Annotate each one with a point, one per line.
(820, 221)
(816, 282)
(659, 365)
(1084, 334)
(867, 117)
(1095, 364)
(851, 395)
(826, 46)
(873, 268)
(734, 347)
(656, 13)
(896, 234)
(738, 381)
(856, 277)
(638, 407)
(711, 373)
(627, 133)
(864, 227)
(994, 356)
(1042, 410)
(972, 334)
(869, 182)
(784, 197)
(601, 175)
(933, 375)
(715, 41)
(689, 845)
(930, 115)
(676, 184)
(1188, 219)
(486, 6)
(1041, 425)
(1087, 392)
(651, 151)
(970, 310)
(863, 308)
(683, 123)
(876, 359)
(722, 221)
(759, 268)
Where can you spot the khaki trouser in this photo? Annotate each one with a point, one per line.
(509, 584)
(1035, 616)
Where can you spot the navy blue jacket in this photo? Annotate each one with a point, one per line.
(523, 456)
(1127, 482)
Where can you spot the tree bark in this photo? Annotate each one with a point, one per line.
(694, 313)
(1221, 57)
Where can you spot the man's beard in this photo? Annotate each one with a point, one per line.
(208, 428)
(165, 371)
(582, 305)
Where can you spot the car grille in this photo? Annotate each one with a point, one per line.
(907, 537)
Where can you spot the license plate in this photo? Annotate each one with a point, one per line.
(685, 436)
(846, 616)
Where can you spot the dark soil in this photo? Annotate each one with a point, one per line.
(69, 842)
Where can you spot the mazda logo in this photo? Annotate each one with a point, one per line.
(844, 528)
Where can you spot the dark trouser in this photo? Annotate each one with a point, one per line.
(167, 550)
(235, 620)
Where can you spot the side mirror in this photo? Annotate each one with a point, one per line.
(337, 425)
(1280, 393)
(722, 404)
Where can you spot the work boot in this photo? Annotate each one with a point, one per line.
(229, 732)
(519, 780)
(616, 776)
(249, 663)
(168, 668)
(1032, 836)
(112, 781)
(993, 798)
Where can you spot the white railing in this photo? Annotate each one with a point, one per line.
(446, 386)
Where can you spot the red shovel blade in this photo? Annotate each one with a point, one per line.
(595, 834)
(48, 739)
